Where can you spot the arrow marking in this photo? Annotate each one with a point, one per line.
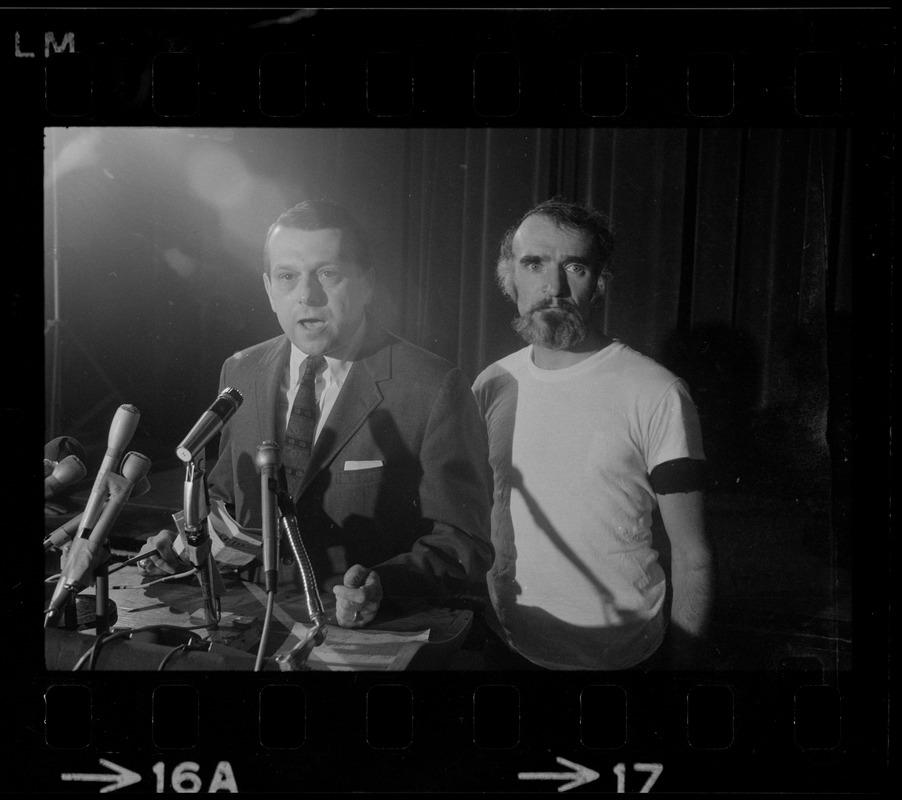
(578, 778)
(122, 777)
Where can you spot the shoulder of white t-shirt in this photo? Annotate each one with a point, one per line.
(510, 363)
(641, 367)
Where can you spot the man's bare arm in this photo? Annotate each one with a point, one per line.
(692, 574)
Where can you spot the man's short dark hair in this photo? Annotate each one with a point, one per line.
(567, 215)
(317, 215)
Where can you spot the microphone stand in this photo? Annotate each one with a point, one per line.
(100, 577)
(296, 659)
(89, 553)
(102, 595)
(197, 537)
(268, 457)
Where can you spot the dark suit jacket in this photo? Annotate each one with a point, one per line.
(422, 519)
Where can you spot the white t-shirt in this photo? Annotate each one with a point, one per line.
(576, 583)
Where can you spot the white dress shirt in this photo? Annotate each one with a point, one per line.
(327, 386)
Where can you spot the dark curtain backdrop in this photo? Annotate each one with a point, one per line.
(730, 266)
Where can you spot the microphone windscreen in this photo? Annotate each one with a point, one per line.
(122, 428)
(135, 466)
(67, 472)
(57, 449)
(142, 487)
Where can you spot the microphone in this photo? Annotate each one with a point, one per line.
(57, 449)
(65, 533)
(86, 548)
(209, 424)
(141, 488)
(68, 471)
(198, 543)
(135, 466)
(268, 459)
(296, 658)
(123, 427)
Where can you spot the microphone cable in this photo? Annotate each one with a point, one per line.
(93, 652)
(264, 634)
(193, 644)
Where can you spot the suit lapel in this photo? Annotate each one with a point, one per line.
(358, 398)
(266, 388)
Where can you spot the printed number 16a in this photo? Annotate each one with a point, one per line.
(654, 771)
(185, 779)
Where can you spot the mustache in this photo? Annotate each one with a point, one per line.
(555, 304)
(565, 328)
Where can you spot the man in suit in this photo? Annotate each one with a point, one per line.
(394, 500)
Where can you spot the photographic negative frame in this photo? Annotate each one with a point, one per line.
(570, 85)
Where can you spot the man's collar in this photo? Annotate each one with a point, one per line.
(338, 367)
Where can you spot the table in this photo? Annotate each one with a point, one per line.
(423, 637)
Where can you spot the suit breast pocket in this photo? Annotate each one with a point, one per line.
(358, 495)
(359, 476)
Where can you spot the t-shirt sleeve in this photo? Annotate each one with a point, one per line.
(673, 431)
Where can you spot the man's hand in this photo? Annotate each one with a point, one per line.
(358, 600)
(164, 561)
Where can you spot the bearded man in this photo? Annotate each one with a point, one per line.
(587, 438)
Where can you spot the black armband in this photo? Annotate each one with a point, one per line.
(679, 475)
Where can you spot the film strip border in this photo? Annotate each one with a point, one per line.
(810, 733)
(608, 83)
(486, 733)
(402, 67)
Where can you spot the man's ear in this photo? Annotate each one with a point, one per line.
(601, 288)
(504, 275)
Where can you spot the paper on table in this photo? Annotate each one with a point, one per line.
(231, 545)
(348, 648)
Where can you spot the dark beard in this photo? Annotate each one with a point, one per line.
(555, 327)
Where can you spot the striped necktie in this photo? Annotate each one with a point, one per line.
(301, 426)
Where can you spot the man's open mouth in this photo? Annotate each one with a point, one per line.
(312, 324)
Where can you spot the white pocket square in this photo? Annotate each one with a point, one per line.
(352, 465)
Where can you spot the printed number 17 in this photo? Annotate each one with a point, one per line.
(654, 771)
